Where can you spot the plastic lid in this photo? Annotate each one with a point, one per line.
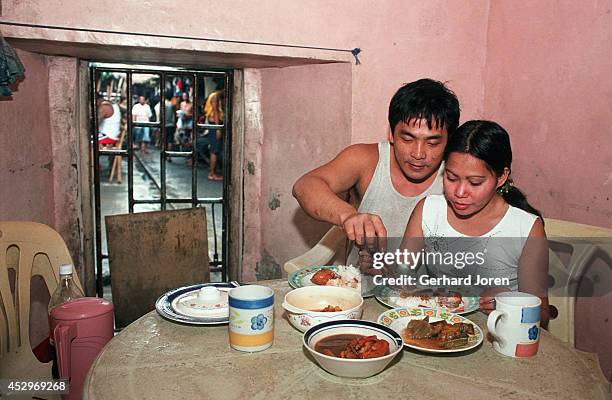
(65, 269)
(84, 307)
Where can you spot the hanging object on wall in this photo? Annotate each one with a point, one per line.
(355, 52)
(11, 68)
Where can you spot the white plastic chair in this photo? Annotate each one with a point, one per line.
(27, 249)
(322, 253)
(585, 242)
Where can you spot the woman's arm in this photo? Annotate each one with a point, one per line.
(533, 268)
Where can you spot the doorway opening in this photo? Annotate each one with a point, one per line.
(161, 141)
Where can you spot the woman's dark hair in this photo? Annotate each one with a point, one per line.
(425, 99)
(489, 142)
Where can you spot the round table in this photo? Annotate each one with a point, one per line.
(157, 359)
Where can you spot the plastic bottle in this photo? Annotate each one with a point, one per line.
(66, 290)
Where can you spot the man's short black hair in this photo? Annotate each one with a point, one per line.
(425, 99)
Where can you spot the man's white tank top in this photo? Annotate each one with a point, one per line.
(382, 199)
(502, 246)
(111, 126)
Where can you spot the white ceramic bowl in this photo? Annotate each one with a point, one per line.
(353, 368)
(300, 305)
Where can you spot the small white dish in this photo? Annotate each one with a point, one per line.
(302, 306)
(207, 301)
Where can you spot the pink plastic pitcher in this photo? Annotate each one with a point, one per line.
(80, 329)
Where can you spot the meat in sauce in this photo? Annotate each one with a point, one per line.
(352, 346)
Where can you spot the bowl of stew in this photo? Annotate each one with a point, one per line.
(308, 306)
(352, 348)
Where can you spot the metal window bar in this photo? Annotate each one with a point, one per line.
(218, 264)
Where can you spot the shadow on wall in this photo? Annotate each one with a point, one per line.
(311, 231)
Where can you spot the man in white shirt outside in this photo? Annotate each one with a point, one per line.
(141, 112)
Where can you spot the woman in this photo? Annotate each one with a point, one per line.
(482, 210)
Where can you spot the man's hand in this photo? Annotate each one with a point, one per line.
(487, 298)
(366, 263)
(366, 230)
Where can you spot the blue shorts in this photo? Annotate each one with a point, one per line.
(216, 145)
(141, 134)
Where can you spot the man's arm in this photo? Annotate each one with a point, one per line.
(317, 192)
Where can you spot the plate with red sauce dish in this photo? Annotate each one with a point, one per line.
(345, 276)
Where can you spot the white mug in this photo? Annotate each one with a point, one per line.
(515, 324)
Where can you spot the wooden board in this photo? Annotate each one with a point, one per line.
(151, 253)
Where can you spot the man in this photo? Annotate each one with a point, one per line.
(141, 112)
(389, 177)
(186, 121)
(109, 122)
(169, 121)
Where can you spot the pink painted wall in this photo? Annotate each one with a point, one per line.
(306, 121)
(401, 41)
(548, 82)
(38, 149)
(26, 159)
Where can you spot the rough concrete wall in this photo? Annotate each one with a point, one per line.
(65, 153)
(306, 116)
(26, 155)
(253, 140)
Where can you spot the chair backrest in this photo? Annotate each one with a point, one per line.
(116, 166)
(27, 249)
(150, 253)
(119, 143)
(323, 252)
(583, 243)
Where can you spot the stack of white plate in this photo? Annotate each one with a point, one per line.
(201, 304)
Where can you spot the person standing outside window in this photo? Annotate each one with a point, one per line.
(170, 121)
(141, 112)
(213, 109)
